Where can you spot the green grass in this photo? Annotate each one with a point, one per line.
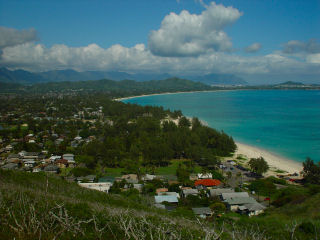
(114, 172)
(172, 168)
(65, 171)
(32, 201)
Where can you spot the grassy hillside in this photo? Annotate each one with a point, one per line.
(34, 206)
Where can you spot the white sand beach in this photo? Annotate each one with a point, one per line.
(275, 162)
(167, 93)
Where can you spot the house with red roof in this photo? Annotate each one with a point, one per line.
(207, 183)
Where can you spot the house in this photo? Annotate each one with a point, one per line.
(130, 176)
(37, 169)
(29, 163)
(13, 158)
(22, 153)
(10, 166)
(204, 175)
(88, 179)
(218, 191)
(186, 192)
(138, 186)
(202, 212)
(9, 148)
(169, 194)
(252, 209)
(161, 190)
(78, 138)
(51, 168)
(234, 195)
(62, 163)
(237, 199)
(31, 155)
(205, 183)
(53, 158)
(69, 157)
(102, 187)
(58, 141)
(166, 198)
(148, 177)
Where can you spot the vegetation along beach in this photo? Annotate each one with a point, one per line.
(159, 120)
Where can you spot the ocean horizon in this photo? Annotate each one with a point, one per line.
(284, 122)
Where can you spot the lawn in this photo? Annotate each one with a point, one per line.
(172, 168)
(114, 172)
(169, 170)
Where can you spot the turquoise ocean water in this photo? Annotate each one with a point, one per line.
(285, 122)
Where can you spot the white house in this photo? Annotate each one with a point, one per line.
(102, 186)
(204, 175)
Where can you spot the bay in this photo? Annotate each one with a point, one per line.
(285, 122)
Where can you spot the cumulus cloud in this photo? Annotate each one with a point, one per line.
(313, 58)
(295, 46)
(186, 34)
(11, 37)
(37, 57)
(253, 48)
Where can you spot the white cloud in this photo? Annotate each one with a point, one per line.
(12, 37)
(295, 46)
(189, 34)
(253, 48)
(36, 57)
(313, 58)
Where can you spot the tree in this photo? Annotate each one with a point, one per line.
(182, 173)
(311, 171)
(258, 165)
(218, 207)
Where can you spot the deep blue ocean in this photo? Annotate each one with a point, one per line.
(285, 122)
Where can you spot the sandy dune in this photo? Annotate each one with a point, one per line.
(274, 161)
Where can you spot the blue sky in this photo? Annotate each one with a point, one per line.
(244, 37)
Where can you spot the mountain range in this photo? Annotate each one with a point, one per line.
(25, 77)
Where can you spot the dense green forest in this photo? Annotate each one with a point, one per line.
(124, 134)
(110, 87)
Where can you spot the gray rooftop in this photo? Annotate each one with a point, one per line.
(254, 206)
(240, 200)
(166, 198)
(51, 168)
(202, 211)
(10, 166)
(219, 191)
(190, 191)
(234, 195)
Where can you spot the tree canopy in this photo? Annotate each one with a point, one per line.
(258, 165)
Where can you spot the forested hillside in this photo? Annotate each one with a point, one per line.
(112, 88)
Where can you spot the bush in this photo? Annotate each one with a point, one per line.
(81, 171)
(307, 227)
(218, 207)
(277, 180)
(217, 175)
(263, 187)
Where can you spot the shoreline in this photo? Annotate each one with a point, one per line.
(278, 164)
(168, 93)
(275, 161)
